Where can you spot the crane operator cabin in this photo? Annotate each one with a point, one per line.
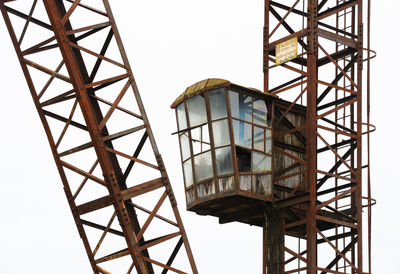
(233, 152)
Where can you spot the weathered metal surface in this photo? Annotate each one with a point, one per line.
(290, 148)
(328, 82)
(80, 110)
(240, 194)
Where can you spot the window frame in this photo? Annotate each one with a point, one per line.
(253, 125)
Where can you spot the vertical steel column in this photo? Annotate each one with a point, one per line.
(311, 135)
(266, 44)
(359, 197)
(273, 241)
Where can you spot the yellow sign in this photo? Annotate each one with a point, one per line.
(286, 51)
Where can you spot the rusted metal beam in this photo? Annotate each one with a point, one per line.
(338, 257)
(286, 26)
(173, 255)
(125, 194)
(311, 130)
(337, 38)
(284, 7)
(336, 9)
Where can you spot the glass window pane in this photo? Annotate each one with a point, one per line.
(203, 166)
(217, 104)
(185, 148)
(221, 133)
(200, 139)
(242, 133)
(261, 162)
(197, 111)
(205, 138)
(180, 110)
(258, 138)
(260, 113)
(268, 141)
(196, 136)
(224, 160)
(188, 173)
(241, 106)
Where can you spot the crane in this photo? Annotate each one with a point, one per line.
(354, 227)
(82, 85)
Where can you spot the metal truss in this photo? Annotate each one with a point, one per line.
(87, 99)
(324, 233)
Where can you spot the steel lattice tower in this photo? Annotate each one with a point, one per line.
(327, 78)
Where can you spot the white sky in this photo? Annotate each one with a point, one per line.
(172, 44)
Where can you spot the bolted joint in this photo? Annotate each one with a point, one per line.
(170, 194)
(266, 49)
(360, 57)
(312, 22)
(160, 162)
(110, 178)
(113, 181)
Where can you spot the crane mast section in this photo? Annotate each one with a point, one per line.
(99, 134)
(325, 77)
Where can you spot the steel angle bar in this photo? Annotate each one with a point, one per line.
(283, 18)
(289, 87)
(338, 131)
(160, 240)
(286, 25)
(92, 9)
(336, 222)
(337, 55)
(288, 67)
(331, 11)
(299, 34)
(338, 257)
(284, 7)
(336, 125)
(40, 46)
(28, 20)
(337, 66)
(96, 55)
(338, 197)
(288, 83)
(26, 17)
(337, 78)
(337, 87)
(337, 38)
(91, 27)
(173, 255)
(336, 154)
(294, 254)
(291, 105)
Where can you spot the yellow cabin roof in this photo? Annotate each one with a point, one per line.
(210, 84)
